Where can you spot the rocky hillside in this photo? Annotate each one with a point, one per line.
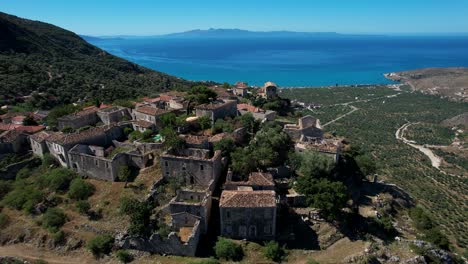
(451, 83)
(36, 56)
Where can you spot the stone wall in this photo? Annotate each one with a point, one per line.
(77, 121)
(228, 109)
(171, 245)
(38, 148)
(196, 203)
(9, 173)
(113, 115)
(194, 171)
(248, 223)
(96, 167)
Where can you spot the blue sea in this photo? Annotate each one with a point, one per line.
(290, 62)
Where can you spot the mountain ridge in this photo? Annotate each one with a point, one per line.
(40, 57)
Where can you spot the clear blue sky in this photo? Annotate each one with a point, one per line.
(147, 17)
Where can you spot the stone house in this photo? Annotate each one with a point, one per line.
(240, 89)
(191, 205)
(93, 162)
(269, 91)
(308, 128)
(196, 167)
(142, 125)
(38, 143)
(113, 114)
(248, 214)
(217, 110)
(149, 114)
(12, 141)
(257, 113)
(86, 117)
(59, 143)
(200, 142)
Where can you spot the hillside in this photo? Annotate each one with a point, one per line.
(373, 115)
(451, 83)
(36, 56)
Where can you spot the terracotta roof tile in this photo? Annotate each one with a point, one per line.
(9, 136)
(30, 129)
(7, 127)
(149, 110)
(247, 199)
(40, 137)
(143, 123)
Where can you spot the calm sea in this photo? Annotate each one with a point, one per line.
(291, 61)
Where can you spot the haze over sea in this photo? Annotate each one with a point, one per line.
(290, 61)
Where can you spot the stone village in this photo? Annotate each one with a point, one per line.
(97, 146)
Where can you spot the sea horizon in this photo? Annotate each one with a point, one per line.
(290, 61)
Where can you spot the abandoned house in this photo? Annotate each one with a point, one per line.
(86, 117)
(59, 144)
(328, 147)
(240, 89)
(195, 167)
(268, 91)
(149, 114)
(113, 114)
(257, 113)
(308, 128)
(142, 125)
(13, 141)
(248, 214)
(217, 110)
(38, 143)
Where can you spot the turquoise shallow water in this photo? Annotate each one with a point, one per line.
(305, 61)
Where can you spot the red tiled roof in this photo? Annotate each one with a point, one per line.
(40, 137)
(260, 179)
(151, 100)
(75, 138)
(9, 136)
(18, 119)
(7, 127)
(30, 129)
(247, 199)
(14, 114)
(149, 110)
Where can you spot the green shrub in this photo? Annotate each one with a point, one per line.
(5, 188)
(23, 197)
(83, 206)
(80, 190)
(123, 256)
(48, 160)
(311, 261)
(274, 251)
(23, 173)
(53, 219)
(100, 244)
(4, 220)
(57, 179)
(227, 249)
(58, 237)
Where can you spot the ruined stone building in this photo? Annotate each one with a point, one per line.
(12, 141)
(86, 117)
(58, 144)
(248, 214)
(308, 128)
(114, 114)
(149, 114)
(269, 91)
(218, 109)
(240, 89)
(194, 166)
(105, 164)
(328, 147)
(257, 113)
(142, 125)
(38, 143)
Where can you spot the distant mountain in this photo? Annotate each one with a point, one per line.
(240, 33)
(36, 56)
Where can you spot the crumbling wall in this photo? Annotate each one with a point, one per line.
(171, 245)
